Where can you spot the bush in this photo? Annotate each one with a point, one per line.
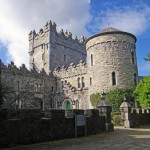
(116, 119)
(94, 99)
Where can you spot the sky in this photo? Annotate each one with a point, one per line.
(81, 17)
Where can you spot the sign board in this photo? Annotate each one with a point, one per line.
(80, 120)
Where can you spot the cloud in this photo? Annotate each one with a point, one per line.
(134, 18)
(145, 67)
(19, 17)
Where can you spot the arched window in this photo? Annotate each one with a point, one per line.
(43, 56)
(65, 58)
(83, 84)
(52, 89)
(90, 81)
(135, 81)
(132, 55)
(113, 78)
(36, 87)
(39, 88)
(77, 104)
(91, 59)
(68, 106)
(78, 82)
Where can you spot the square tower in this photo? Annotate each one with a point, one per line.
(49, 49)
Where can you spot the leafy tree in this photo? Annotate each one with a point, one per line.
(148, 57)
(143, 92)
(115, 97)
(94, 99)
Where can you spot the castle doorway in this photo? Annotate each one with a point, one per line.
(68, 106)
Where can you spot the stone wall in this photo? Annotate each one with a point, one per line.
(26, 89)
(32, 126)
(140, 117)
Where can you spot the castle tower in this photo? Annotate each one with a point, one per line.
(111, 61)
(49, 49)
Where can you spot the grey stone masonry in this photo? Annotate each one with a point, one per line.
(49, 49)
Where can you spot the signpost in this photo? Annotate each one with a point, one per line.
(80, 120)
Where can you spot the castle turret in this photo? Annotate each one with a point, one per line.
(111, 60)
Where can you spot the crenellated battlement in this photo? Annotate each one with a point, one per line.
(11, 68)
(51, 26)
(71, 71)
(47, 27)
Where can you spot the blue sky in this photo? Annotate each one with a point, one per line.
(83, 17)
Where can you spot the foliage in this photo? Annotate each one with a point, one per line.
(143, 92)
(116, 118)
(148, 57)
(94, 99)
(115, 97)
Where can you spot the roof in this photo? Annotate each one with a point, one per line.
(111, 30)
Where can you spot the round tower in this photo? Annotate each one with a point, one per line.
(111, 60)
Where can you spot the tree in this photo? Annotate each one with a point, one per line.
(148, 57)
(94, 99)
(116, 97)
(143, 92)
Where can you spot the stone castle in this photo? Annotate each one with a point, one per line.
(65, 71)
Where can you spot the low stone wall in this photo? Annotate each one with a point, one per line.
(24, 126)
(140, 117)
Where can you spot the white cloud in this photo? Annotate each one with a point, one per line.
(145, 67)
(134, 19)
(18, 17)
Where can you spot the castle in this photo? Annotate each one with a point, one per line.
(65, 71)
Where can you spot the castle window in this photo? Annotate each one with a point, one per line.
(47, 46)
(78, 82)
(132, 54)
(18, 88)
(36, 87)
(135, 81)
(42, 105)
(33, 60)
(62, 84)
(77, 104)
(42, 46)
(39, 88)
(52, 89)
(43, 56)
(91, 59)
(90, 81)
(65, 58)
(83, 84)
(113, 78)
